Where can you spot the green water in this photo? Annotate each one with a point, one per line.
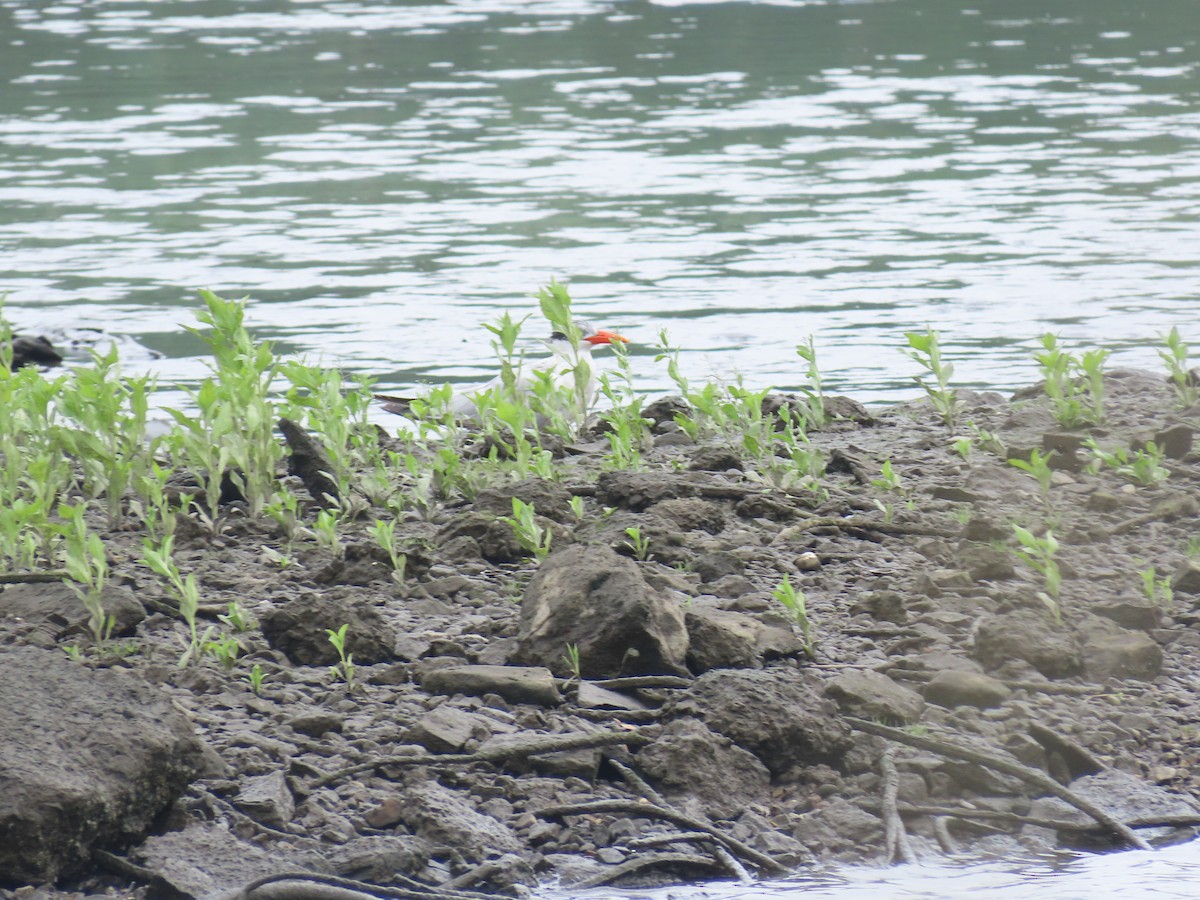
(382, 177)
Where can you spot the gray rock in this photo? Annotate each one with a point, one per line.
(442, 818)
(691, 514)
(690, 762)
(1121, 794)
(517, 684)
(1031, 636)
(872, 695)
(714, 566)
(60, 608)
(589, 696)
(267, 799)
(778, 714)
(720, 639)
(593, 598)
(89, 759)
(960, 687)
(1186, 579)
(1123, 654)
(548, 499)
(299, 629)
(447, 729)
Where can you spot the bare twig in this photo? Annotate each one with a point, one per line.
(1009, 767)
(644, 861)
(653, 811)
(895, 837)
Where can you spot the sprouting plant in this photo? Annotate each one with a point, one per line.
(1157, 589)
(325, 527)
(187, 594)
(1075, 385)
(344, 669)
(576, 504)
(1192, 549)
(962, 446)
(638, 543)
(888, 480)
(236, 618)
(925, 349)
(1039, 552)
(628, 431)
(224, 650)
(256, 678)
(1176, 358)
(1139, 466)
(87, 570)
(1037, 466)
(571, 658)
(74, 652)
(987, 440)
(532, 537)
(794, 602)
(813, 388)
(385, 536)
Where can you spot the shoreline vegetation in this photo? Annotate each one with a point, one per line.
(730, 633)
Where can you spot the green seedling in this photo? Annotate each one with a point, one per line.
(794, 602)
(385, 536)
(236, 619)
(532, 537)
(186, 592)
(888, 480)
(1074, 384)
(1039, 552)
(813, 388)
(256, 678)
(1037, 467)
(571, 658)
(987, 440)
(87, 571)
(344, 669)
(639, 544)
(1143, 467)
(325, 527)
(925, 350)
(962, 446)
(1176, 357)
(74, 652)
(224, 650)
(576, 504)
(1157, 589)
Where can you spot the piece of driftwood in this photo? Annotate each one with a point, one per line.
(895, 838)
(1009, 767)
(644, 861)
(316, 886)
(534, 746)
(653, 811)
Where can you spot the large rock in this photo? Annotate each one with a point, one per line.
(300, 629)
(87, 759)
(442, 818)
(723, 639)
(62, 613)
(778, 714)
(1031, 636)
(960, 687)
(517, 684)
(872, 695)
(596, 600)
(697, 767)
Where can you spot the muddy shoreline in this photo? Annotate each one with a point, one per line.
(475, 753)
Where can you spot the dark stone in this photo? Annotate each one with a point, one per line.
(958, 687)
(598, 601)
(699, 768)
(311, 464)
(691, 514)
(1028, 635)
(551, 500)
(778, 714)
(716, 565)
(34, 351)
(443, 818)
(874, 696)
(300, 627)
(59, 608)
(89, 759)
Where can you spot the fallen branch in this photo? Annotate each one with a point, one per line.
(534, 745)
(861, 523)
(1009, 767)
(644, 861)
(32, 577)
(653, 811)
(895, 837)
(634, 682)
(1009, 818)
(316, 886)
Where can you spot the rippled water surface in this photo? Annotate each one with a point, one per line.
(1169, 874)
(382, 177)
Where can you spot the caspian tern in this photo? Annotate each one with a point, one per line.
(568, 368)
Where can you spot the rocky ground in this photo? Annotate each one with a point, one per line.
(943, 707)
